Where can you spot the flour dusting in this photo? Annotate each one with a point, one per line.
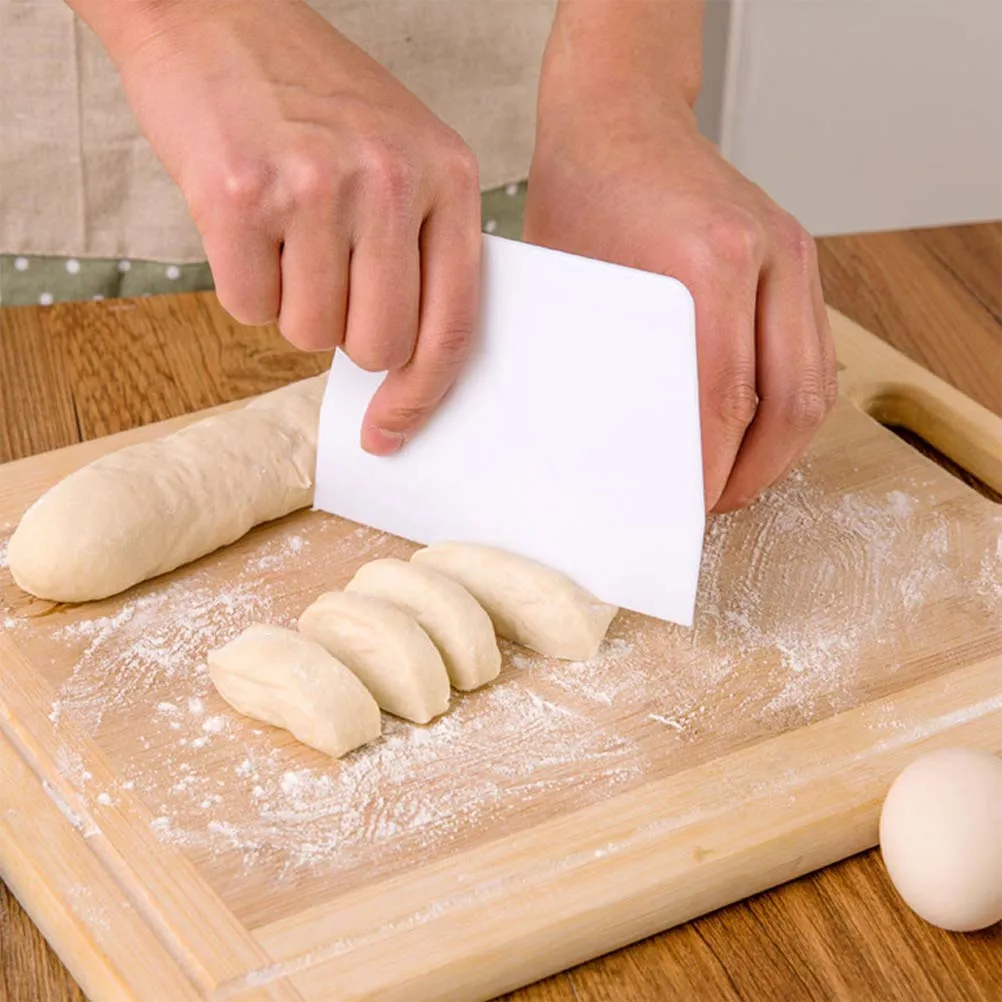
(548, 735)
(380, 797)
(160, 636)
(864, 588)
(989, 579)
(84, 905)
(290, 547)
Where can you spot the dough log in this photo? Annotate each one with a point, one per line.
(385, 648)
(283, 678)
(151, 507)
(453, 619)
(528, 602)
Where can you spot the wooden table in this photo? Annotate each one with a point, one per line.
(78, 371)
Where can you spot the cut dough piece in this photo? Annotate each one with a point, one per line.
(283, 678)
(151, 507)
(385, 648)
(528, 602)
(444, 609)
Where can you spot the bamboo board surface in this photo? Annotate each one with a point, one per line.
(846, 621)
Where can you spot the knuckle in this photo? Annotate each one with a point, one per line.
(830, 393)
(389, 174)
(461, 167)
(796, 243)
(733, 397)
(407, 414)
(830, 385)
(312, 175)
(452, 343)
(244, 186)
(735, 236)
(805, 408)
(238, 188)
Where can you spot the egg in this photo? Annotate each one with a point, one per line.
(941, 837)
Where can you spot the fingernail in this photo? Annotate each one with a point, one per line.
(382, 443)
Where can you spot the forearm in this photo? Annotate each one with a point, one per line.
(602, 46)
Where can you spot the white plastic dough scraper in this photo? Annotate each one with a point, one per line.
(572, 436)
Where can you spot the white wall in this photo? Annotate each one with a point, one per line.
(717, 18)
(861, 114)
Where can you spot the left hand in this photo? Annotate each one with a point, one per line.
(629, 179)
(328, 197)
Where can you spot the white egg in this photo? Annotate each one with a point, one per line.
(941, 837)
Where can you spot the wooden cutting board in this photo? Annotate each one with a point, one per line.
(171, 850)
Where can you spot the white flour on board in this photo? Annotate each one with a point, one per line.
(344, 814)
(218, 784)
(279, 556)
(989, 581)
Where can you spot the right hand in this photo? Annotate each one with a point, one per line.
(328, 197)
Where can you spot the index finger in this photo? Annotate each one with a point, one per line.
(450, 280)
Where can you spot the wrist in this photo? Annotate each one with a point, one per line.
(128, 26)
(607, 54)
(124, 25)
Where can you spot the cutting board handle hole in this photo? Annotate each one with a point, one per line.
(918, 443)
(942, 435)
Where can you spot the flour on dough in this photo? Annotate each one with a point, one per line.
(444, 609)
(529, 603)
(285, 679)
(149, 508)
(385, 648)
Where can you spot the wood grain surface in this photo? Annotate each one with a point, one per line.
(839, 934)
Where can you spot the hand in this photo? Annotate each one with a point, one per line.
(632, 181)
(328, 197)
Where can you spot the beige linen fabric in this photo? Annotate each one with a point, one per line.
(77, 178)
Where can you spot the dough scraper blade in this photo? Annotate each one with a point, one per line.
(572, 436)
